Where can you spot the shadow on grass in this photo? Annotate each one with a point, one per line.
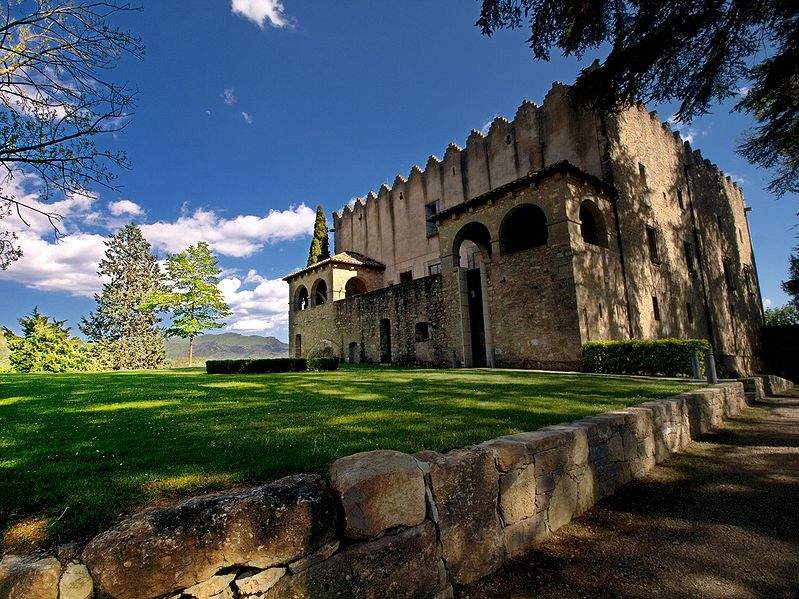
(80, 450)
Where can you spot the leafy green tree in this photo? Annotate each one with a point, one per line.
(781, 316)
(125, 333)
(194, 300)
(320, 244)
(45, 346)
(696, 53)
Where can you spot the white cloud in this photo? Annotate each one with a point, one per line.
(743, 91)
(125, 207)
(263, 308)
(229, 96)
(247, 117)
(687, 133)
(239, 237)
(767, 302)
(261, 11)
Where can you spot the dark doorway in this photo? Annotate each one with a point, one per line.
(298, 345)
(354, 354)
(385, 341)
(474, 289)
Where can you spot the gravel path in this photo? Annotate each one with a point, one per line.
(720, 520)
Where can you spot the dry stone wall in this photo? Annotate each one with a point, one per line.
(385, 524)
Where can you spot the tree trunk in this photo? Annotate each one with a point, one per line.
(191, 348)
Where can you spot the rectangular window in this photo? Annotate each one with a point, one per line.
(679, 199)
(430, 210)
(689, 257)
(740, 235)
(655, 309)
(600, 310)
(406, 277)
(729, 276)
(652, 242)
(434, 269)
(422, 331)
(689, 310)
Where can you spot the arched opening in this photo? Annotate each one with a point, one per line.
(592, 225)
(472, 250)
(319, 292)
(353, 352)
(354, 286)
(523, 227)
(301, 298)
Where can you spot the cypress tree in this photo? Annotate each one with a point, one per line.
(320, 244)
(126, 333)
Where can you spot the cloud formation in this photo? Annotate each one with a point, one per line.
(229, 96)
(261, 309)
(247, 117)
(125, 207)
(262, 11)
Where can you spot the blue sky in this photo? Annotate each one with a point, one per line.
(249, 118)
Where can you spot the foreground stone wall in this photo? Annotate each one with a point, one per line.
(386, 523)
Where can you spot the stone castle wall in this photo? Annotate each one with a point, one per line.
(386, 523)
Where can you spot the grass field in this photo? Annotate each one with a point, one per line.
(79, 450)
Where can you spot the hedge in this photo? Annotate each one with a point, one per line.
(269, 365)
(665, 357)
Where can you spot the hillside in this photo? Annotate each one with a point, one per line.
(225, 346)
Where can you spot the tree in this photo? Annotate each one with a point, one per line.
(45, 346)
(194, 300)
(320, 244)
(126, 333)
(696, 53)
(782, 316)
(791, 285)
(56, 100)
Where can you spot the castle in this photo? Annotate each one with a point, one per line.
(553, 229)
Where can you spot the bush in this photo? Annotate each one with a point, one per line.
(666, 357)
(270, 365)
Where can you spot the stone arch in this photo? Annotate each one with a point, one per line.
(592, 224)
(301, 298)
(319, 292)
(476, 233)
(354, 286)
(524, 227)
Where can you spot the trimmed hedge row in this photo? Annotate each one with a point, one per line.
(665, 357)
(267, 365)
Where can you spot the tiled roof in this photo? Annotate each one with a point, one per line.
(350, 258)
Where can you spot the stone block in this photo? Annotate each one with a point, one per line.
(166, 549)
(406, 564)
(379, 490)
(29, 577)
(522, 536)
(316, 557)
(465, 486)
(75, 583)
(509, 453)
(211, 587)
(259, 582)
(563, 502)
(517, 494)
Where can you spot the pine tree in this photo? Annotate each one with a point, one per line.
(45, 346)
(125, 334)
(320, 244)
(194, 300)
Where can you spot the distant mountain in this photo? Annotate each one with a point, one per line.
(225, 346)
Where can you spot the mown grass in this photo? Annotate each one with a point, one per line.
(79, 450)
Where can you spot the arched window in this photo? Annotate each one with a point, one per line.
(524, 227)
(592, 225)
(301, 298)
(319, 292)
(472, 240)
(354, 286)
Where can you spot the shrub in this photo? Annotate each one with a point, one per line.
(666, 357)
(270, 365)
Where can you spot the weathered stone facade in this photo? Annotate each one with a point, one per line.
(387, 524)
(562, 227)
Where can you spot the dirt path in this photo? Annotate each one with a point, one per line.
(720, 520)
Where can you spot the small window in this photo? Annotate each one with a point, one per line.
(652, 242)
(689, 311)
(592, 225)
(680, 200)
(749, 279)
(430, 210)
(406, 277)
(422, 331)
(718, 221)
(740, 235)
(655, 309)
(729, 276)
(434, 269)
(601, 315)
(689, 257)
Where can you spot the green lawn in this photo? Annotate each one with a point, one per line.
(78, 450)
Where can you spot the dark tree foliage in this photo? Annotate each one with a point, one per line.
(126, 334)
(320, 244)
(696, 53)
(791, 285)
